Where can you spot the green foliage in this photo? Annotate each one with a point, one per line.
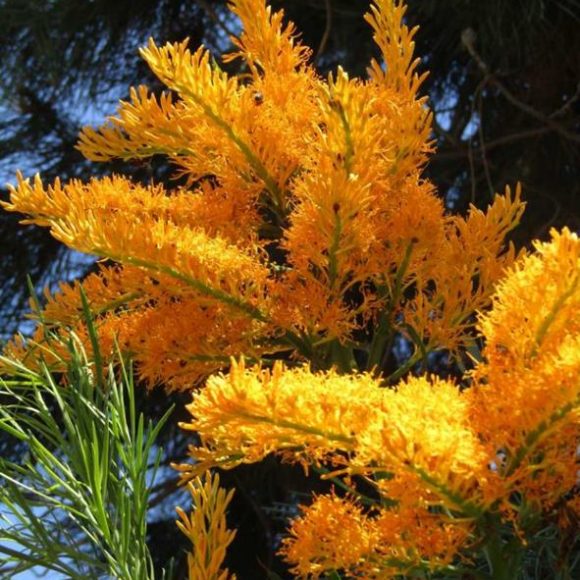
(77, 502)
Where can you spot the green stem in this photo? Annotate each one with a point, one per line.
(504, 558)
(418, 341)
(333, 250)
(379, 342)
(411, 362)
(349, 154)
(299, 342)
(88, 316)
(384, 334)
(361, 497)
(467, 507)
(298, 427)
(342, 357)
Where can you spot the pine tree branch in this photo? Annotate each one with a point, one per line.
(468, 38)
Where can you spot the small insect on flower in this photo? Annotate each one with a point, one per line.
(258, 97)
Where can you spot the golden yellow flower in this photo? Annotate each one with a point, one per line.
(527, 393)
(89, 219)
(307, 233)
(250, 413)
(424, 427)
(206, 528)
(334, 534)
(459, 274)
(331, 534)
(179, 342)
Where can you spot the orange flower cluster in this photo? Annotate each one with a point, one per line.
(445, 464)
(336, 534)
(526, 395)
(304, 219)
(305, 232)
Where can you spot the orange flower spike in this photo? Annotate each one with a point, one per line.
(107, 290)
(143, 128)
(105, 197)
(414, 536)
(206, 528)
(335, 534)
(129, 135)
(331, 534)
(266, 45)
(337, 230)
(216, 96)
(255, 412)
(327, 228)
(526, 395)
(537, 306)
(395, 41)
(50, 344)
(175, 337)
(331, 234)
(32, 352)
(397, 82)
(533, 334)
(132, 231)
(459, 278)
(180, 341)
(487, 230)
(351, 134)
(192, 75)
(307, 305)
(215, 112)
(551, 470)
(279, 108)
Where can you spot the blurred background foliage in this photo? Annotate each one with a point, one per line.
(504, 85)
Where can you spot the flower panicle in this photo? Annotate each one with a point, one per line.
(395, 40)
(335, 533)
(266, 44)
(259, 411)
(207, 530)
(305, 228)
